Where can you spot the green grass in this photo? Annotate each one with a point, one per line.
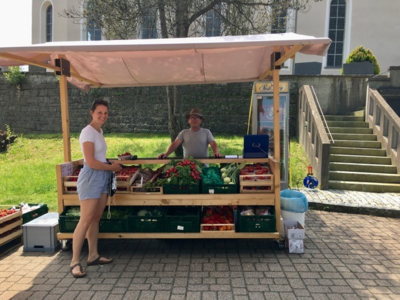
(28, 169)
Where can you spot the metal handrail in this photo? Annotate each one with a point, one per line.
(322, 113)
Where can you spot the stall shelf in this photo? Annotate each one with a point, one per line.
(123, 199)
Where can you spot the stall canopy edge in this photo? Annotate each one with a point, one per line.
(159, 62)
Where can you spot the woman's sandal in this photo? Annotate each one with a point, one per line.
(98, 261)
(83, 274)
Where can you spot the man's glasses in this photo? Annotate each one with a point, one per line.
(194, 118)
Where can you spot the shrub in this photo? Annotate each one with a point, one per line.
(15, 76)
(360, 54)
(6, 137)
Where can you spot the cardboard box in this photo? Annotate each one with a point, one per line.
(294, 234)
(295, 246)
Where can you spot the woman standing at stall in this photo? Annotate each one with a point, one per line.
(93, 188)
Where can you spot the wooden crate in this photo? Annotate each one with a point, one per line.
(70, 185)
(202, 230)
(262, 178)
(10, 223)
(139, 190)
(124, 182)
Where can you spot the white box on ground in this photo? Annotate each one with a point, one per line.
(41, 233)
(295, 246)
(298, 233)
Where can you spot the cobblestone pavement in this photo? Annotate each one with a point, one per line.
(378, 204)
(347, 256)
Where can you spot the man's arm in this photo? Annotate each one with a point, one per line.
(214, 147)
(170, 149)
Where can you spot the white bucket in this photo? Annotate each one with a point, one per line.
(291, 216)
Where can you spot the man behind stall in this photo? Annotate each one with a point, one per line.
(195, 140)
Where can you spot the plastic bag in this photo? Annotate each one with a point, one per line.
(294, 201)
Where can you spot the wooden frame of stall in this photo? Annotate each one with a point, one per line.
(277, 59)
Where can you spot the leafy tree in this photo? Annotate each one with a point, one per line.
(128, 19)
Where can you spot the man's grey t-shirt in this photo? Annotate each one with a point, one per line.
(195, 143)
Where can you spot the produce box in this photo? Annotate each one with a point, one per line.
(10, 224)
(213, 183)
(182, 219)
(126, 177)
(182, 189)
(147, 219)
(258, 222)
(70, 182)
(28, 216)
(118, 222)
(219, 188)
(140, 190)
(181, 177)
(69, 218)
(217, 218)
(256, 178)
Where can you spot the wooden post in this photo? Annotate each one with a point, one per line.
(65, 117)
(277, 149)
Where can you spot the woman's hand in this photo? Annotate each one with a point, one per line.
(116, 167)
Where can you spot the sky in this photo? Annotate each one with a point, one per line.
(15, 22)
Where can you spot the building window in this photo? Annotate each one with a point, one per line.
(49, 24)
(213, 22)
(93, 31)
(336, 33)
(149, 22)
(279, 20)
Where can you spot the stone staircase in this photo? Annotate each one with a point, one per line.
(357, 160)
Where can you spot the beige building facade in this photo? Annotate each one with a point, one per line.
(349, 23)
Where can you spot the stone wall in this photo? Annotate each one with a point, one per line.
(35, 107)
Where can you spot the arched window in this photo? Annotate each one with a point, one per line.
(337, 18)
(93, 30)
(49, 23)
(213, 21)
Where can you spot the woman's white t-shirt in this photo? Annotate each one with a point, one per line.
(89, 134)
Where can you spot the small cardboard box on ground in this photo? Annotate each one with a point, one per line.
(41, 233)
(295, 236)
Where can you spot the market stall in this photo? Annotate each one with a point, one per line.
(131, 63)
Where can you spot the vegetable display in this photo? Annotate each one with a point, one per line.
(186, 172)
(216, 217)
(231, 171)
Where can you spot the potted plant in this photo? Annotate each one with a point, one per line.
(361, 61)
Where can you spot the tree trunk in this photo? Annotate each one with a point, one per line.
(174, 124)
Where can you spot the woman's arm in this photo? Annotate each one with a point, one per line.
(92, 162)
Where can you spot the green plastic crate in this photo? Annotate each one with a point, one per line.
(219, 188)
(67, 223)
(33, 214)
(152, 223)
(181, 189)
(257, 223)
(119, 221)
(182, 219)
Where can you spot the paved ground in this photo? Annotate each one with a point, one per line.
(347, 256)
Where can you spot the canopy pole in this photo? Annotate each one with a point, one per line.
(277, 135)
(65, 117)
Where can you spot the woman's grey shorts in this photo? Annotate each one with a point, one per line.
(92, 183)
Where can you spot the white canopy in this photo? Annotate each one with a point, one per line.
(175, 61)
